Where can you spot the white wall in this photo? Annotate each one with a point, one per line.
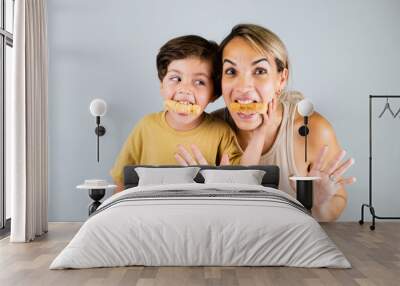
(340, 51)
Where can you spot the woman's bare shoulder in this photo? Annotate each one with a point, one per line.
(322, 130)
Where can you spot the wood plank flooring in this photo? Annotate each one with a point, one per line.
(374, 255)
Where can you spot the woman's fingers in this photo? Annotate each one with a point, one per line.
(198, 155)
(271, 108)
(180, 160)
(343, 168)
(335, 162)
(320, 159)
(186, 155)
(347, 181)
(274, 104)
(225, 160)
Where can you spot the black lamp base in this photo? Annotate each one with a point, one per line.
(304, 193)
(96, 195)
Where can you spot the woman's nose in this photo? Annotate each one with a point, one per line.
(244, 83)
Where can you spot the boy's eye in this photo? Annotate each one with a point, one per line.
(230, 71)
(260, 71)
(199, 82)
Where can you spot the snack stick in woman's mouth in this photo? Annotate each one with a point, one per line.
(253, 107)
(190, 109)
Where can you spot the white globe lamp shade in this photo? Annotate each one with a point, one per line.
(305, 107)
(98, 107)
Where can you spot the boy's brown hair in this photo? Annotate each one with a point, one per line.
(190, 46)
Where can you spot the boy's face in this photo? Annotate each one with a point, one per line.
(188, 81)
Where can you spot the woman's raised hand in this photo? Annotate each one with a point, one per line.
(330, 177)
(184, 158)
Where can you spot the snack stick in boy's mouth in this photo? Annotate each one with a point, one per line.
(190, 109)
(254, 107)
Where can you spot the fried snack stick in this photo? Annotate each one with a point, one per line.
(190, 109)
(253, 107)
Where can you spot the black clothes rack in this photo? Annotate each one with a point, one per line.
(369, 205)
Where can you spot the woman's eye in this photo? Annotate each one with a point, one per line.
(199, 82)
(260, 71)
(230, 71)
(175, 78)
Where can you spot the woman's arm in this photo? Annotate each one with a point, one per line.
(252, 153)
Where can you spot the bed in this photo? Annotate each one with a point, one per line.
(201, 224)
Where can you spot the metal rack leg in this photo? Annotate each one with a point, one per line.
(361, 221)
(374, 216)
(372, 210)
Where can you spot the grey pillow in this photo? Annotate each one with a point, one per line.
(249, 177)
(162, 176)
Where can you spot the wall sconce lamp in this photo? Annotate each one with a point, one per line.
(98, 108)
(305, 108)
(304, 185)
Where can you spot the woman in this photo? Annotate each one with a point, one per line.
(255, 68)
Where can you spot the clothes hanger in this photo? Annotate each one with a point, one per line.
(397, 113)
(387, 107)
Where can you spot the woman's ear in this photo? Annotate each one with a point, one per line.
(283, 79)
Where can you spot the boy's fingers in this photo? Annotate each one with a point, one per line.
(225, 160)
(180, 160)
(198, 155)
(186, 155)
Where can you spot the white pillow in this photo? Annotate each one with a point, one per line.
(249, 177)
(162, 176)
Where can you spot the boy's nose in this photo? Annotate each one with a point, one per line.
(184, 92)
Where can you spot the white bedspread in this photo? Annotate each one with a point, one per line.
(187, 230)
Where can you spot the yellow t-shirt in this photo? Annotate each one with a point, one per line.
(154, 142)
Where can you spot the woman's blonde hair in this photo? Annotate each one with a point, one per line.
(263, 40)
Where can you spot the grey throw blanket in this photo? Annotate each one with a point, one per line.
(205, 194)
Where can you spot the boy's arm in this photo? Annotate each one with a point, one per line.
(230, 147)
(129, 155)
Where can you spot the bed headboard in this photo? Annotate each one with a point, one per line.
(270, 179)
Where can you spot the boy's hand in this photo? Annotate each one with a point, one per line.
(184, 158)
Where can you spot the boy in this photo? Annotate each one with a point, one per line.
(187, 69)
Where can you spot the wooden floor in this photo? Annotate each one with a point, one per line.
(374, 255)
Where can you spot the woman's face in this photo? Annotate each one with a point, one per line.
(249, 76)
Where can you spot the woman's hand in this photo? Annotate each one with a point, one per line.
(184, 158)
(267, 118)
(253, 151)
(330, 178)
